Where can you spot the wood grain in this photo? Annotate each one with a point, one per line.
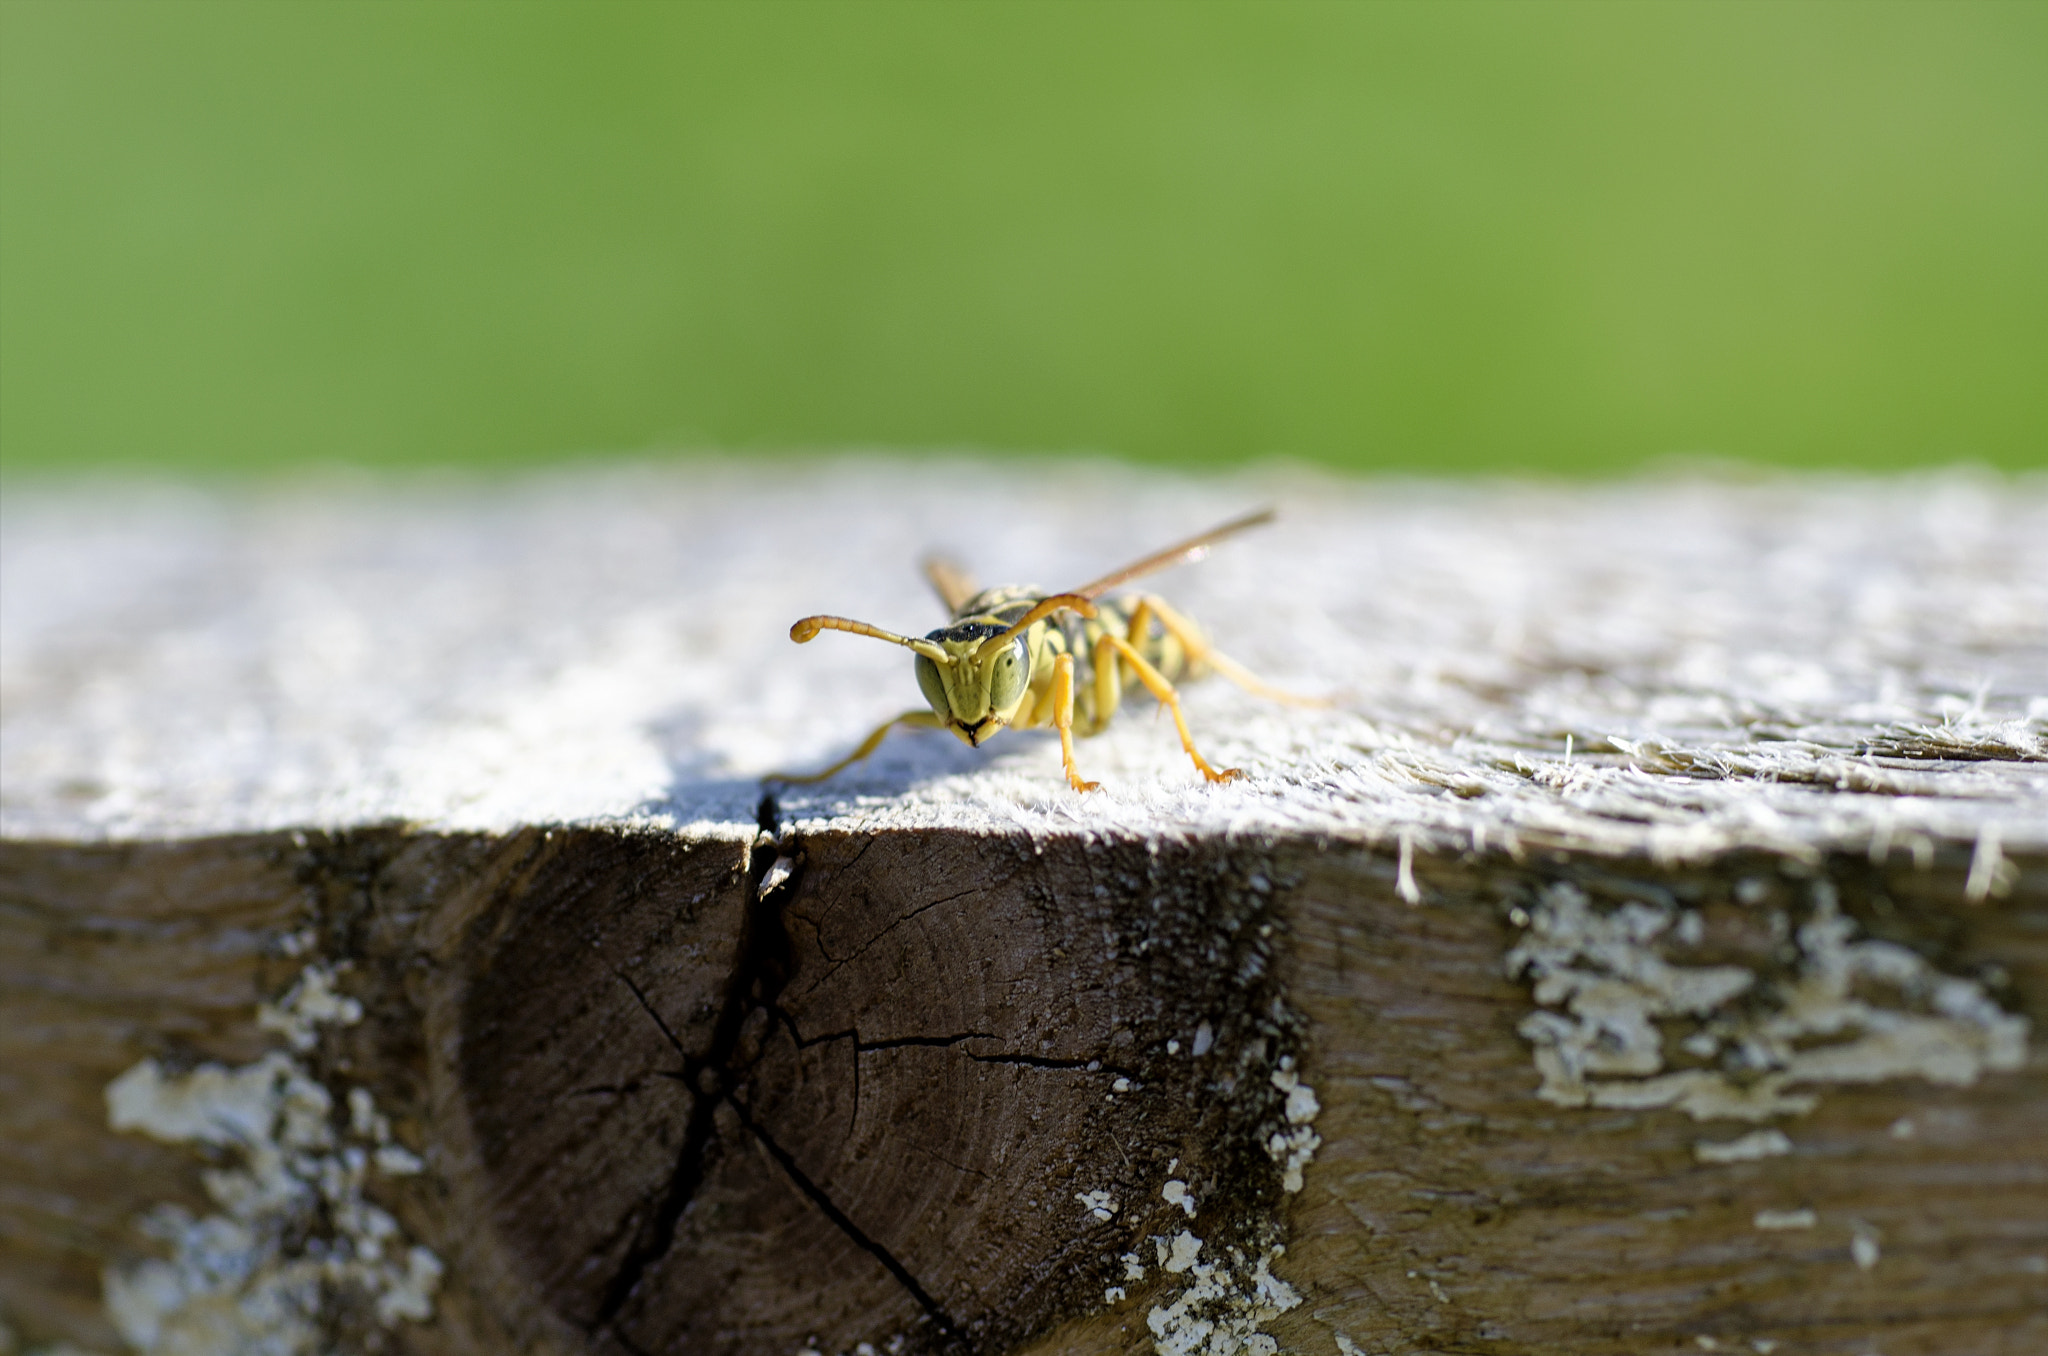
(665, 1114)
(942, 1058)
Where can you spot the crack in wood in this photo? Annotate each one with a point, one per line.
(648, 1008)
(892, 1043)
(936, 1042)
(605, 1090)
(938, 1157)
(838, 962)
(862, 1047)
(752, 972)
(1439, 1154)
(658, 1235)
(844, 1223)
(1058, 1065)
(754, 985)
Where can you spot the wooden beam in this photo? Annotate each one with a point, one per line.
(398, 949)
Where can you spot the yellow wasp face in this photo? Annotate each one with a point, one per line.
(980, 690)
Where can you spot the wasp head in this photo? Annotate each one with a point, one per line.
(973, 686)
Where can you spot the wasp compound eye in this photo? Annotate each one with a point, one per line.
(933, 684)
(1008, 676)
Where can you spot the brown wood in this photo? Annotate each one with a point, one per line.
(662, 1112)
(1550, 1229)
(104, 953)
(1643, 952)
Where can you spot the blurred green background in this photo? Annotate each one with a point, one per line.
(1431, 237)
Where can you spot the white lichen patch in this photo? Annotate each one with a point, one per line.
(1852, 1012)
(1294, 1144)
(1747, 1149)
(1099, 1204)
(1224, 1306)
(1180, 1252)
(294, 1230)
(1863, 1247)
(310, 1003)
(1777, 1220)
(1220, 1305)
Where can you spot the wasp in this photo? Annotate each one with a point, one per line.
(1026, 658)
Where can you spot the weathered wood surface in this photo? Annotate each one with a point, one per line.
(1643, 954)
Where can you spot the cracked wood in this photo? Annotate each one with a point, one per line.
(677, 1086)
(665, 1113)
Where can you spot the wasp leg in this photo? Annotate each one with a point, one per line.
(919, 720)
(1109, 686)
(1063, 719)
(1199, 651)
(1156, 684)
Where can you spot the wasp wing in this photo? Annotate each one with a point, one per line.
(952, 583)
(1194, 548)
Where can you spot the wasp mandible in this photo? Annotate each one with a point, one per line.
(1027, 658)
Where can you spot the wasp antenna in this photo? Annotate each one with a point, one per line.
(807, 630)
(1059, 602)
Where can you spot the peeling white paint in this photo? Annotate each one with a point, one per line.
(311, 1002)
(1750, 1147)
(1863, 1246)
(1179, 1253)
(1771, 1220)
(1099, 1204)
(1854, 1012)
(1221, 1312)
(1294, 1146)
(294, 1228)
(1222, 1305)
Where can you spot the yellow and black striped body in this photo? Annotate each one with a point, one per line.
(1101, 679)
(1028, 658)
